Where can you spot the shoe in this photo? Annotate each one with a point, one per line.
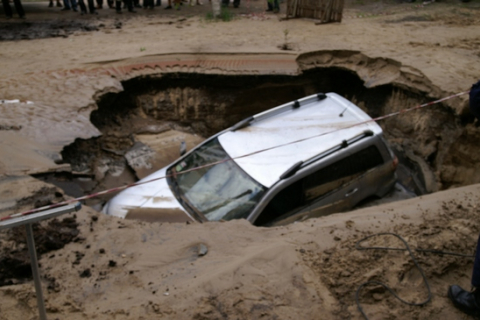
(132, 11)
(168, 7)
(83, 12)
(138, 6)
(100, 6)
(94, 12)
(467, 302)
(65, 9)
(75, 9)
(119, 11)
(50, 5)
(59, 4)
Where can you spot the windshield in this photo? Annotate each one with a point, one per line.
(220, 192)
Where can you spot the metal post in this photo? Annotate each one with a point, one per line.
(36, 275)
(27, 220)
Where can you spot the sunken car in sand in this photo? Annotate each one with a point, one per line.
(307, 158)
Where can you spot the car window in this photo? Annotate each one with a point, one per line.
(320, 183)
(222, 191)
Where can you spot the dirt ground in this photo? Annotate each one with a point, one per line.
(60, 64)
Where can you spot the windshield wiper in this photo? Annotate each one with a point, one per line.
(243, 194)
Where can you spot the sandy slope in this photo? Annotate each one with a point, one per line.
(304, 271)
(120, 269)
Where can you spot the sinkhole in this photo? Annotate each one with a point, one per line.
(142, 126)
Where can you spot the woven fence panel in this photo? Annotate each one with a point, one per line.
(323, 10)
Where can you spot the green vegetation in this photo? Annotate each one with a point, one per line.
(225, 15)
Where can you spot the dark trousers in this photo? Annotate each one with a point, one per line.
(148, 3)
(128, 3)
(8, 9)
(476, 267)
(273, 5)
(91, 6)
(475, 100)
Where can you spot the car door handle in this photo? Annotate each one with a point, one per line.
(348, 194)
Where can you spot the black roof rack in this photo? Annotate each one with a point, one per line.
(344, 144)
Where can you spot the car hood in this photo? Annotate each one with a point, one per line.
(149, 201)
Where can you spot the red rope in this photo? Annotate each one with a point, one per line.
(222, 161)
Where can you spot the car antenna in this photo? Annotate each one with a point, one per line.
(341, 114)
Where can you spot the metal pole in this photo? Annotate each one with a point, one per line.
(36, 275)
(28, 220)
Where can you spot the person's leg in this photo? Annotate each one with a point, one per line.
(66, 5)
(7, 8)
(83, 7)
(19, 8)
(269, 5)
(469, 302)
(276, 6)
(91, 7)
(236, 3)
(129, 4)
(118, 6)
(476, 267)
(73, 4)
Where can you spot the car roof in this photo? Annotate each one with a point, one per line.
(302, 129)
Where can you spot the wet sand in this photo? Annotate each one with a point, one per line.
(119, 269)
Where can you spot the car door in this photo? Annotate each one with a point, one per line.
(334, 188)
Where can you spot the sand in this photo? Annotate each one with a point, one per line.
(119, 269)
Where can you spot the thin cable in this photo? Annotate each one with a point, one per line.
(59, 204)
(407, 248)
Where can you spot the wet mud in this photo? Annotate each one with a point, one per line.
(49, 236)
(441, 247)
(27, 30)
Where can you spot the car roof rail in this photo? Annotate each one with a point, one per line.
(270, 113)
(344, 144)
(242, 124)
(291, 171)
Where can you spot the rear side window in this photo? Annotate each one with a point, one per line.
(320, 183)
(341, 172)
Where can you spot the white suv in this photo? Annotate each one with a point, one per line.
(306, 158)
